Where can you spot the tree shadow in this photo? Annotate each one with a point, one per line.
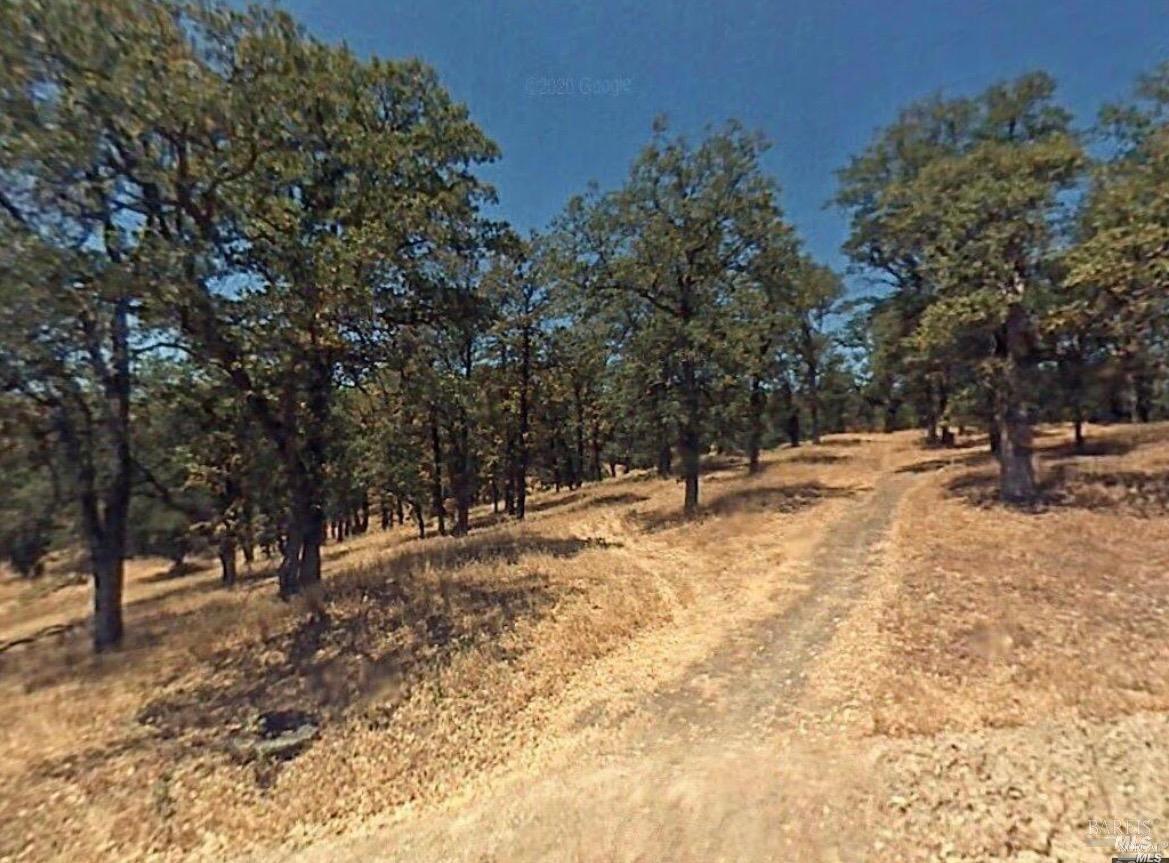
(60, 631)
(541, 504)
(965, 459)
(65, 767)
(384, 628)
(63, 635)
(177, 573)
(813, 457)
(246, 577)
(771, 499)
(1091, 448)
(490, 519)
(720, 462)
(378, 634)
(615, 499)
(63, 654)
(334, 550)
(484, 548)
(1065, 486)
(842, 441)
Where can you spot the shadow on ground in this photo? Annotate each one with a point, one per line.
(776, 499)
(843, 441)
(385, 627)
(543, 503)
(1091, 448)
(362, 606)
(1066, 486)
(814, 457)
(615, 499)
(377, 633)
(958, 459)
(420, 555)
(177, 572)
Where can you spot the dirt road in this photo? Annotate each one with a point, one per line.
(718, 767)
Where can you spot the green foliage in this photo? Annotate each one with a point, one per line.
(1121, 264)
(30, 491)
(247, 290)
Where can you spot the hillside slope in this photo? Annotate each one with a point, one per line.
(853, 651)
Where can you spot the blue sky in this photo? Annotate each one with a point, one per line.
(817, 76)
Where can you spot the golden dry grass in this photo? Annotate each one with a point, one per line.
(895, 748)
(1007, 617)
(965, 704)
(440, 661)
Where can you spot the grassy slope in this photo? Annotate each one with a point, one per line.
(442, 659)
(447, 659)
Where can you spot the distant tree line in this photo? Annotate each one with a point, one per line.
(250, 301)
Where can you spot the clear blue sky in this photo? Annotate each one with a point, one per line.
(817, 76)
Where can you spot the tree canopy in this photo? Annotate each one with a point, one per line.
(251, 300)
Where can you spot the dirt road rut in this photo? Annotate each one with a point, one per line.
(710, 775)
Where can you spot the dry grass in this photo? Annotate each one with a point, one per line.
(1006, 617)
(967, 702)
(1005, 672)
(440, 661)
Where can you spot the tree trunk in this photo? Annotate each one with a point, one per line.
(521, 474)
(689, 438)
(946, 437)
(892, 404)
(690, 467)
(1017, 477)
(1142, 398)
(104, 517)
(288, 574)
(814, 406)
(108, 576)
(419, 518)
(665, 460)
(310, 561)
(931, 430)
(578, 463)
(462, 476)
(227, 559)
(755, 434)
(521, 489)
(301, 565)
(436, 496)
(249, 533)
(462, 518)
(1017, 472)
(889, 423)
